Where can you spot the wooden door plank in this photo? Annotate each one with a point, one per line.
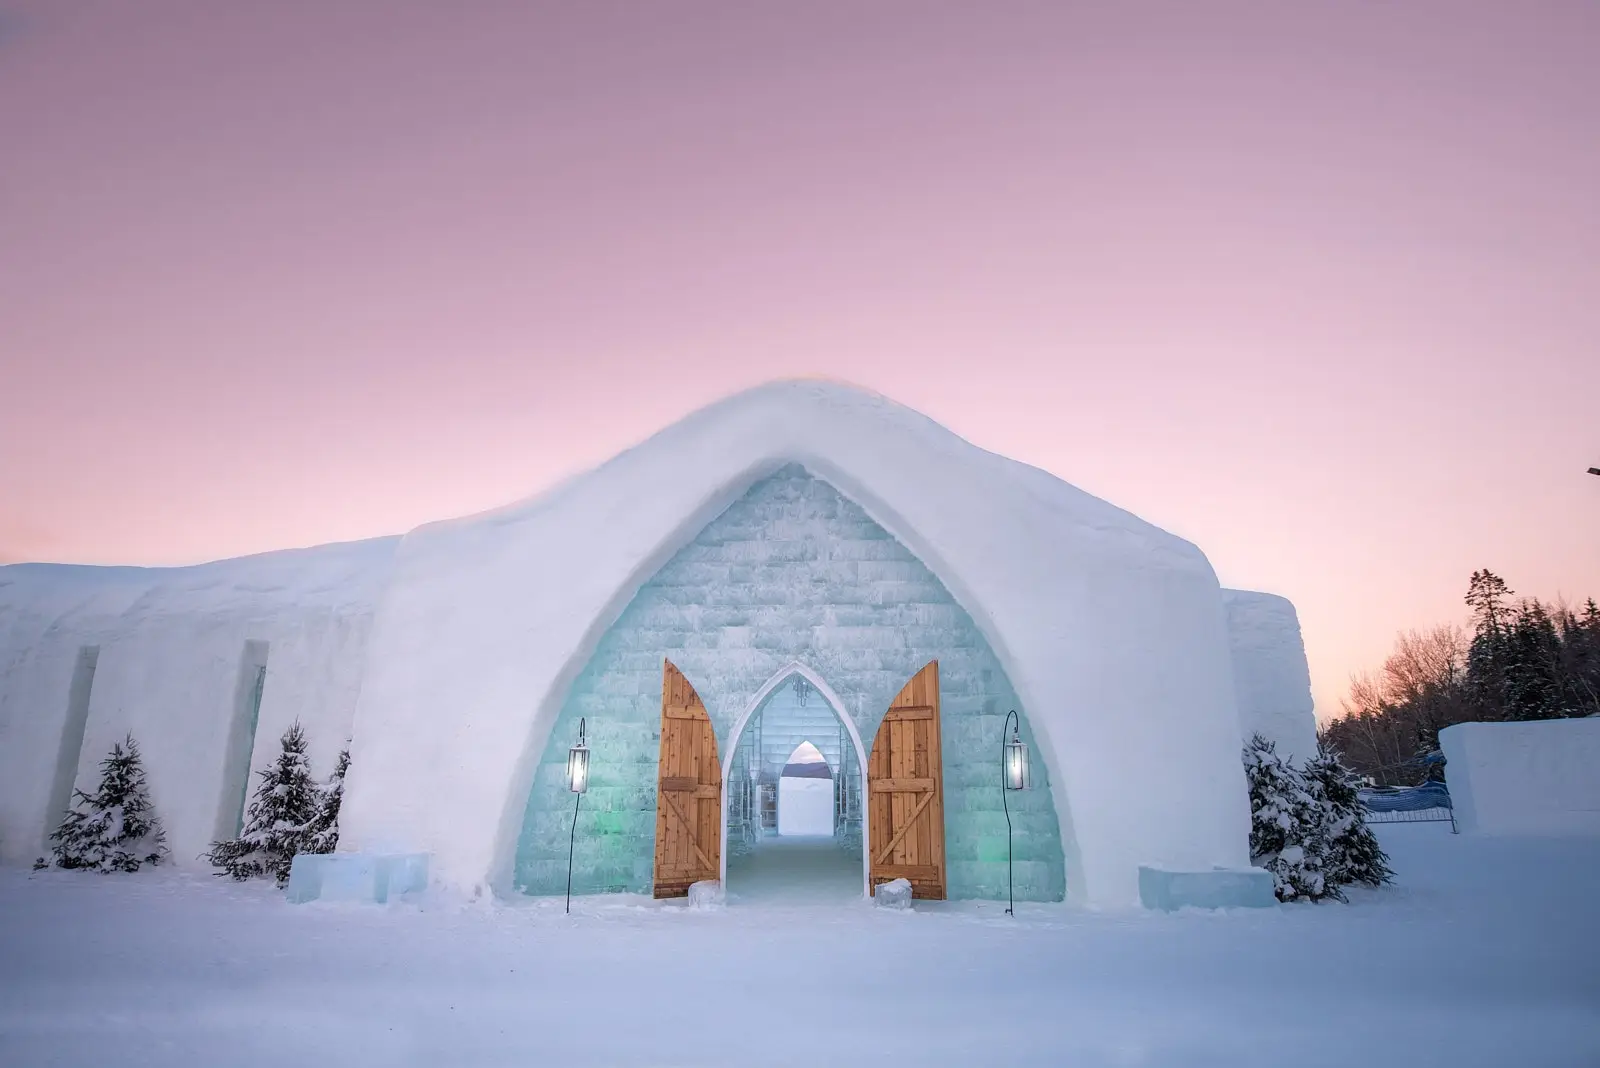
(688, 790)
(689, 829)
(909, 712)
(927, 799)
(907, 786)
(905, 782)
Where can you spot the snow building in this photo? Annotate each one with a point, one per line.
(802, 562)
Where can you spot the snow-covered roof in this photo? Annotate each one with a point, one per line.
(85, 596)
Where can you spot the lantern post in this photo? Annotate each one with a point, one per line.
(577, 782)
(1014, 775)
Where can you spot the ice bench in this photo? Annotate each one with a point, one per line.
(1219, 888)
(371, 877)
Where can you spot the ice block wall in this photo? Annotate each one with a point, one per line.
(793, 570)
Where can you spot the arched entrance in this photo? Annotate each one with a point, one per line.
(794, 578)
(794, 706)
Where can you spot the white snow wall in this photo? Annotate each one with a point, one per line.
(1270, 675)
(791, 572)
(169, 647)
(1540, 778)
(1110, 630)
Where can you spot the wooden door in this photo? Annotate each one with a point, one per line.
(688, 791)
(905, 790)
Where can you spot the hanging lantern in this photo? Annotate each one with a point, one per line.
(578, 764)
(1017, 774)
(1013, 776)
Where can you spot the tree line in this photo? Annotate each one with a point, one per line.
(1522, 660)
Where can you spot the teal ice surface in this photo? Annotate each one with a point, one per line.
(792, 571)
(359, 877)
(1216, 889)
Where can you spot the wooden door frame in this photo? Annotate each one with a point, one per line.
(838, 708)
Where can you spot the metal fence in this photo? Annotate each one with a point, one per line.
(1426, 815)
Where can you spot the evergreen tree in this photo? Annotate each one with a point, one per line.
(279, 819)
(1580, 660)
(1487, 655)
(116, 828)
(1288, 821)
(1531, 665)
(1586, 658)
(1353, 853)
(323, 832)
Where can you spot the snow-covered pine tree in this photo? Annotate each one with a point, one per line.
(277, 824)
(323, 833)
(1288, 817)
(116, 828)
(1353, 853)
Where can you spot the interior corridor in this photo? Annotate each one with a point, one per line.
(794, 803)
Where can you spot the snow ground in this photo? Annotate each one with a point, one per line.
(1484, 953)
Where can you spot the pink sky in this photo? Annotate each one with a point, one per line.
(1317, 288)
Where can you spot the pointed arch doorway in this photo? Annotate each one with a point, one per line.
(794, 707)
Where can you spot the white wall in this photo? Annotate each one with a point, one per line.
(805, 806)
(1271, 678)
(1539, 778)
(170, 642)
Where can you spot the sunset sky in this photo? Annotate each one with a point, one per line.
(1315, 287)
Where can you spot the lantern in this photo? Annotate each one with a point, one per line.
(578, 764)
(1017, 775)
(1013, 776)
(577, 782)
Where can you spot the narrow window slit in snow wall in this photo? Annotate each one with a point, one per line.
(70, 750)
(241, 739)
(792, 571)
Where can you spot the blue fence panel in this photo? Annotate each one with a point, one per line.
(1407, 799)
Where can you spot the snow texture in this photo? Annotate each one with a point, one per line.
(1525, 778)
(1481, 956)
(1270, 675)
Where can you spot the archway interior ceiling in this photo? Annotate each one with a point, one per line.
(791, 571)
(785, 722)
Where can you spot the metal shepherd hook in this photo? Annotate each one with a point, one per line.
(1005, 788)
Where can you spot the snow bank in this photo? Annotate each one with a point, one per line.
(172, 648)
(1538, 778)
(1270, 675)
(1481, 956)
(1111, 630)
